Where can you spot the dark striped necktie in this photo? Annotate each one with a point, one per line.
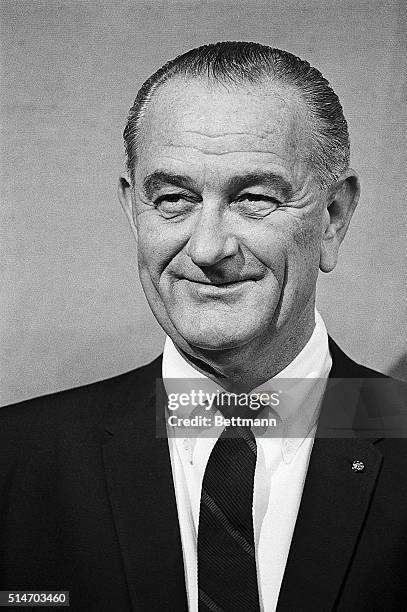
(227, 579)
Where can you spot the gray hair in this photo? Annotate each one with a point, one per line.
(240, 62)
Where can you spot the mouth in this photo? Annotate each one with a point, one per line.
(219, 284)
(219, 287)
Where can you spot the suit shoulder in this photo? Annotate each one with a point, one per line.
(344, 367)
(84, 403)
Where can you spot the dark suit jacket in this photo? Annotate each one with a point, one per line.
(87, 505)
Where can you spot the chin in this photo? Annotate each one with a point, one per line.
(211, 337)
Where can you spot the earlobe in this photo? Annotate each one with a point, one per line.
(328, 255)
(341, 203)
(125, 194)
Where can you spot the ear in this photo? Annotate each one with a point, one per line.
(342, 199)
(126, 198)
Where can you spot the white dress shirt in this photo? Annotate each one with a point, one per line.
(281, 466)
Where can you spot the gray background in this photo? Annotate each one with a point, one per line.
(72, 307)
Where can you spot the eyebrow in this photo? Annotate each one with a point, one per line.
(159, 178)
(270, 179)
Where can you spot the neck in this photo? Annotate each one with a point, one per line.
(244, 368)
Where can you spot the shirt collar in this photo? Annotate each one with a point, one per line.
(303, 396)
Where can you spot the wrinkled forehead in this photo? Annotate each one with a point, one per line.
(221, 117)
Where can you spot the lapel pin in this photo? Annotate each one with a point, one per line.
(358, 466)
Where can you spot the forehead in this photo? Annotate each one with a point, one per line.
(198, 121)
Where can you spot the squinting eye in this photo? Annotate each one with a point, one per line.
(255, 204)
(174, 204)
(257, 197)
(171, 197)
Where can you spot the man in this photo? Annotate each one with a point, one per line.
(238, 191)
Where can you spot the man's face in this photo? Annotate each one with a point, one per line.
(229, 219)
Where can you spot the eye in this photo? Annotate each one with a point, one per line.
(255, 204)
(173, 204)
(257, 197)
(170, 197)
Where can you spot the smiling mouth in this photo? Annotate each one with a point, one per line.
(219, 286)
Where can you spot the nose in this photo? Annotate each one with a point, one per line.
(211, 240)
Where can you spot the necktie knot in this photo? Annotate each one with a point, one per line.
(236, 405)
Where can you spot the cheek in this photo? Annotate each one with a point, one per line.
(158, 244)
(274, 244)
(289, 248)
(304, 245)
(303, 255)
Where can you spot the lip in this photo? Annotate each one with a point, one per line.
(219, 288)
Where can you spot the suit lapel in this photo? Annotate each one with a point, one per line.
(140, 487)
(333, 506)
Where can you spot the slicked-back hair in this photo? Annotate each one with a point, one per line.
(249, 62)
